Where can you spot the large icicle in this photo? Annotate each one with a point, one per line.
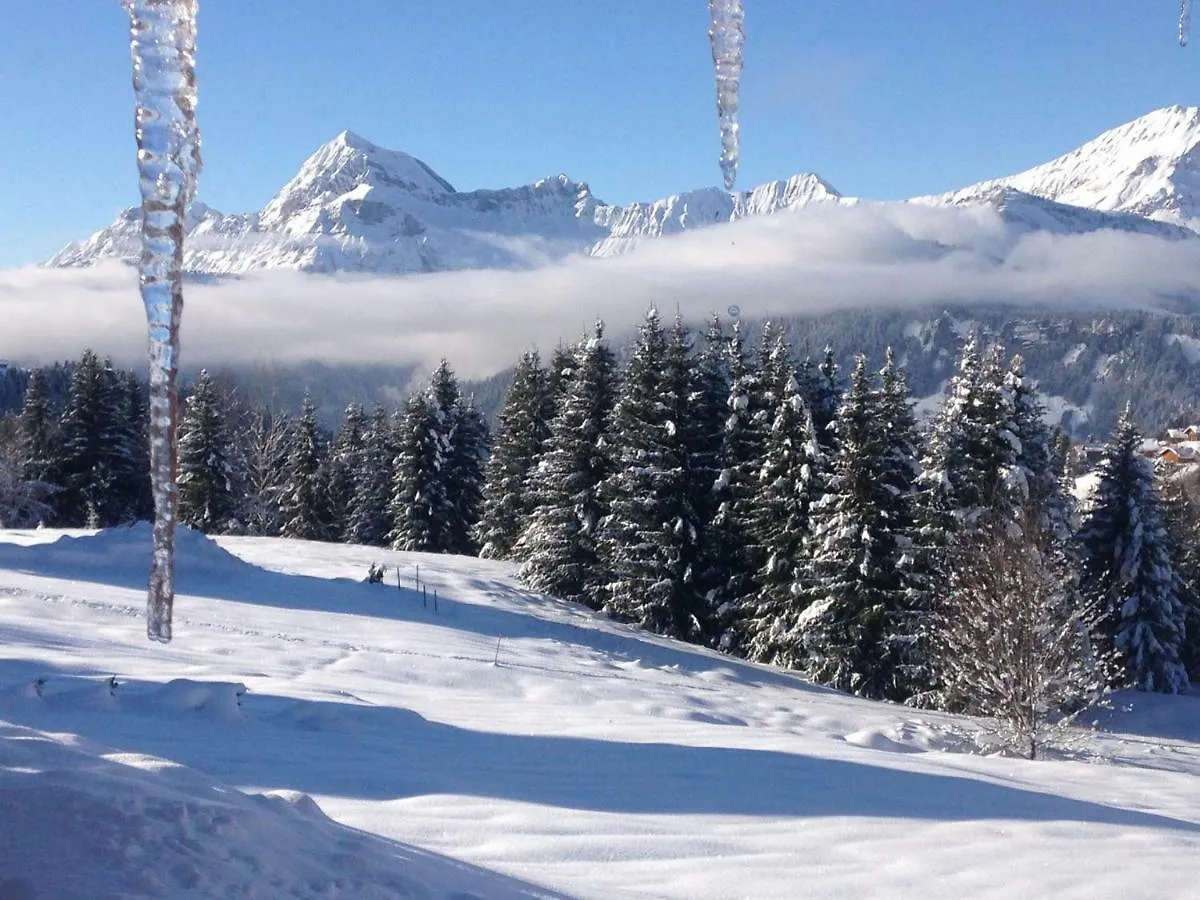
(1185, 21)
(727, 34)
(163, 45)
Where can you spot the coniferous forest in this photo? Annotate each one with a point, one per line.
(714, 488)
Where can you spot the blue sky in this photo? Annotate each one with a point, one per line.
(883, 98)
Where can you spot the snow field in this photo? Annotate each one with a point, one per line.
(381, 750)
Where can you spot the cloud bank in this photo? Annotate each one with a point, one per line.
(812, 261)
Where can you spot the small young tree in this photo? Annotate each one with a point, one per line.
(1012, 639)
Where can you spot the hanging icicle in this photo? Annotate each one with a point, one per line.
(727, 34)
(1185, 21)
(163, 45)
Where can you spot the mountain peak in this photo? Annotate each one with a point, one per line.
(1148, 167)
(347, 162)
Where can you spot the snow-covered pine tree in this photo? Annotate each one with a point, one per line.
(1036, 480)
(36, 434)
(36, 441)
(704, 430)
(1179, 490)
(1126, 569)
(856, 624)
(558, 543)
(648, 540)
(468, 449)
(826, 393)
(418, 501)
(369, 519)
(558, 374)
(90, 446)
(737, 560)
(133, 480)
(789, 483)
(304, 502)
(522, 429)
(345, 460)
(206, 499)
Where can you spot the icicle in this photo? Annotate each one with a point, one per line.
(163, 46)
(1185, 21)
(727, 35)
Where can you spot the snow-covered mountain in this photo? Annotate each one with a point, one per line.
(1149, 167)
(357, 207)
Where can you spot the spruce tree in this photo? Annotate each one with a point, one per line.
(304, 503)
(90, 448)
(133, 479)
(558, 545)
(856, 625)
(823, 403)
(789, 483)
(418, 502)
(738, 560)
(523, 426)
(649, 539)
(704, 430)
(36, 433)
(205, 479)
(468, 449)
(369, 519)
(1037, 476)
(1127, 570)
(345, 460)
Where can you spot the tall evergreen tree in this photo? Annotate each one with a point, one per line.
(826, 390)
(856, 626)
(1127, 570)
(523, 427)
(1037, 476)
(304, 502)
(90, 448)
(789, 483)
(205, 482)
(559, 543)
(418, 503)
(468, 449)
(36, 437)
(649, 539)
(705, 434)
(345, 461)
(133, 480)
(738, 559)
(369, 519)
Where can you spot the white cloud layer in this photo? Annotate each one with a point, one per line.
(808, 262)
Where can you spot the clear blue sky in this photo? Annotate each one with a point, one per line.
(883, 98)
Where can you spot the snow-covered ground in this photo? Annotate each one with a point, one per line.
(308, 735)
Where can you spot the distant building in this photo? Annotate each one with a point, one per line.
(1178, 446)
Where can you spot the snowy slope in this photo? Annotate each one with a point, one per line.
(508, 745)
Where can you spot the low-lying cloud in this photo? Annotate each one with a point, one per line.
(816, 260)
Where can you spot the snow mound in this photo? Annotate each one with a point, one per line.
(876, 739)
(113, 555)
(99, 824)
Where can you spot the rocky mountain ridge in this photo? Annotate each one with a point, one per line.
(356, 207)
